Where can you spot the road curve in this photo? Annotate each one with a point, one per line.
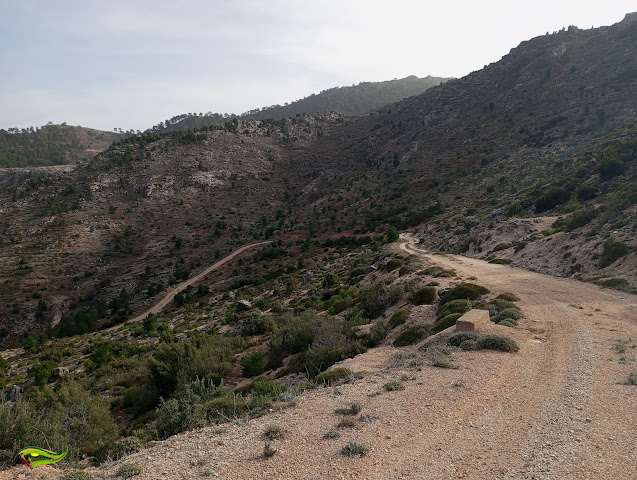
(170, 295)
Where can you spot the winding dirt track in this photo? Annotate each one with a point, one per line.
(170, 295)
(557, 409)
(560, 411)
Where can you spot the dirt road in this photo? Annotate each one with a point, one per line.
(557, 409)
(170, 295)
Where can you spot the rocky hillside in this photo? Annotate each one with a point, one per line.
(530, 160)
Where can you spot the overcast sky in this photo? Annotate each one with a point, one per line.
(134, 63)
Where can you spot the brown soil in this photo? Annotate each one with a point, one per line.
(556, 409)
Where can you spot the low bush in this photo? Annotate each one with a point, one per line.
(501, 246)
(453, 306)
(377, 333)
(424, 296)
(268, 450)
(512, 313)
(274, 432)
(553, 197)
(412, 335)
(612, 251)
(256, 324)
(509, 297)
(331, 377)
(77, 475)
(465, 291)
(399, 317)
(348, 421)
(129, 470)
(501, 261)
(445, 322)
(376, 298)
(468, 345)
(394, 385)
(126, 446)
(393, 264)
(456, 339)
(252, 365)
(508, 322)
(519, 246)
(579, 218)
(497, 342)
(353, 409)
(354, 449)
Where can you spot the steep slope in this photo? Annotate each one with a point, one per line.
(550, 129)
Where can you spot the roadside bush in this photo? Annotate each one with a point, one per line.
(376, 298)
(399, 317)
(612, 251)
(333, 376)
(497, 342)
(424, 296)
(453, 306)
(126, 446)
(393, 264)
(456, 339)
(412, 335)
(508, 296)
(508, 322)
(468, 345)
(445, 322)
(468, 291)
(519, 246)
(511, 313)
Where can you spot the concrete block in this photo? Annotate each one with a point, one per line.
(473, 320)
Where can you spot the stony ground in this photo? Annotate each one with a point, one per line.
(557, 409)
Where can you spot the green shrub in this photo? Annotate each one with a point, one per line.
(497, 342)
(376, 298)
(501, 246)
(41, 372)
(579, 218)
(224, 408)
(252, 365)
(445, 322)
(348, 421)
(273, 432)
(615, 283)
(553, 197)
(453, 306)
(399, 317)
(586, 192)
(393, 264)
(207, 357)
(405, 270)
(267, 387)
(610, 164)
(141, 399)
(333, 376)
(465, 291)
(511, 313)
(353, 409)
(508, 296)
(501, 261)
(377, 333)
(441, 362)
(508, 322)
(77, 475)
(394, 385)
(412, 335)
(129, 470)
(468, 345)
(456, 339)
(256, 324)
(424, 296)
(354, 449)
(612, 251)
(519, 246)
(126, 446)
(631, 380)
(514, 210)
(268, 450)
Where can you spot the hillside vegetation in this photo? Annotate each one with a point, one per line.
(51, 145)
(355, 100)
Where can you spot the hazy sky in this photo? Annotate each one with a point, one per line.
(134, 63)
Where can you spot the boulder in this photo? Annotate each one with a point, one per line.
(473, 320)
(59, 372)
(242, 306)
